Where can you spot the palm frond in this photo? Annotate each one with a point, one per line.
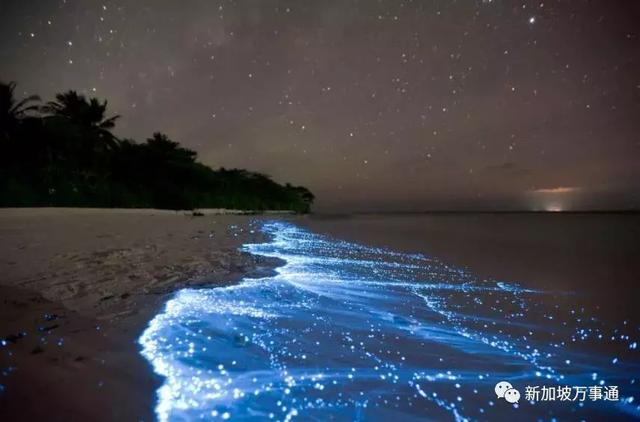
(109, 123)
(20, 108)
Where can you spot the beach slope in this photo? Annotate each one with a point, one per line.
(78, 286)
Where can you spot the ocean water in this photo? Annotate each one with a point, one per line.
(349, 332)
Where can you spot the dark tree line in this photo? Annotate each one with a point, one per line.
(63, 153)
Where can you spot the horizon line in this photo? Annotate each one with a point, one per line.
(482, 211)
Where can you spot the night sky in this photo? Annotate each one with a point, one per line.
(373, 105)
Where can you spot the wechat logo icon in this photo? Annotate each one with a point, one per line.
(504, 390)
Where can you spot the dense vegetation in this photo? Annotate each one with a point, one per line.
(63, 153)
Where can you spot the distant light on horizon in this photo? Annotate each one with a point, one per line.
(554, 208)
(554, 199)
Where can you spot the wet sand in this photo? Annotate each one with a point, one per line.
(77, 288)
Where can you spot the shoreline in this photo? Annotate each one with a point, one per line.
(98, 371)
(590, 254)
(80, 288)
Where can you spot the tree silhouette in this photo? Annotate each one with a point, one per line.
(69, 157)
(161, 145)
(12, 110)
(88, 115)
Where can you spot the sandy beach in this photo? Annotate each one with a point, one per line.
(78, 286)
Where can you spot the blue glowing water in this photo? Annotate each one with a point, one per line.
(348, 332)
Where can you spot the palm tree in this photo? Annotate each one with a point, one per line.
(160, 145)
(12, 110)
(89, 115)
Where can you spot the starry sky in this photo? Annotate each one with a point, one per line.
(372, 104)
